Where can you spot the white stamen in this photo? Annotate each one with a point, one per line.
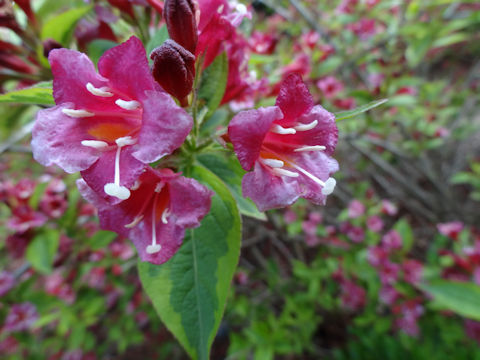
(136, 185)
(329, 186)
(118, 191)
(77, 113)
(220, 9)
(274, 163)
(283, 172)
(305, 127)
(277, 129)
(134, 222)
(154, 247)
(96, 144)
(102, 92)
(127, 105)
(165, 215)
(158, 187)
(241, 8)
(311, 148)
(114, 189)
(126, 140)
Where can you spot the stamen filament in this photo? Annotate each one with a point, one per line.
(77, 113)
(277, 129)
(154, 247)
(306, 127)
(284, 172)
(102, 92)
(135, 222)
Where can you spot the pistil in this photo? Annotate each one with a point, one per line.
(115, 189)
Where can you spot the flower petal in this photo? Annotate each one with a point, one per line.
(102, 172)
(72, 71)
(189, 201)
(294, 98)
(126, 67)
(164, 127)
(269, 191)
(56, 139)
(247, 131)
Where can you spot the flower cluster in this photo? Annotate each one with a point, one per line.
(109, 126)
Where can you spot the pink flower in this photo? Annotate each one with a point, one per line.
(289, 216)
(412, 271)
(21, 317)
(389, 208)
(7, 282)
(388, 295)
(289, 146)
(409, 313)
(375, 223)
(356, 234)
(392, 241)
(353, 296)
(345, 104)
(262, 43)
(329, 86)
(377, 256)
(162, 204)
(450, 229)
(25, 218)
(472, 329)
(389, 273)
(107, 125)
(355, 209)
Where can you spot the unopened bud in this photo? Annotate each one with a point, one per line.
(49, 45)
(174, 69)
(181, 23)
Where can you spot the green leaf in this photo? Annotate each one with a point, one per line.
(41, 251)
(39, 94)
(405, 231)
(351, 113)
(214, 82)
(97, 47)
(459, 297)
(227, 168)
(190, 290)
(60, 27)
(157, 39)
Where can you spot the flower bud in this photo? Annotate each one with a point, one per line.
(49, 45)
(180, 16)
(174, 69)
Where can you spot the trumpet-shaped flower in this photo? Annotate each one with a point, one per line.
(108, 124)
(161, 206)
(288, 146)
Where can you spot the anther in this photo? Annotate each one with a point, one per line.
(277, 129)
(126, 140)
(165, 215)
(306, 127)
(127, 105)
(102, 92)
(274, 163)
(134, 222)
(311, 148)
(136, 185)
(284, 172)
(220, 9)
(329, 186)
(96, 144)
(77, 113)
(158, 187)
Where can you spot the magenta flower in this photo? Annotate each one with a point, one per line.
(392, 241)
(162, 204)
(107, 125)
(289, 146)
(355, 209)
(21, 317)
(330, 86)
(7, 282)
(450, 229)
(375, 223)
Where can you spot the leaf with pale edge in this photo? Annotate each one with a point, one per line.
(39, 94)
(214, 82)
(351, 113)
(190, 290)
(459, 297)
(61, 27)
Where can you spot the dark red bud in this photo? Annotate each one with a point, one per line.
(7, 16)
(181, 22)
(174, 69)
(49, 45)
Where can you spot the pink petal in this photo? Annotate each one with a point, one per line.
(164, 127)
(189, 201)
(56, 139)
(269, 191)
(126, 66)
(102, 172)
(294, 98)
(247, 131)
(72, 71)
